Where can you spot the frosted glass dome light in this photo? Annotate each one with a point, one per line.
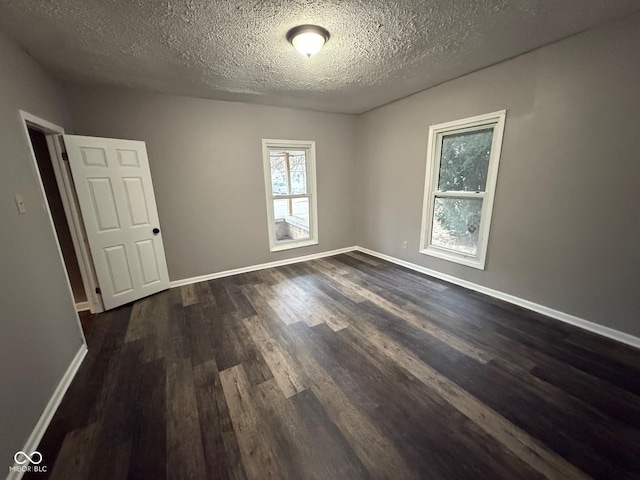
(308, 39)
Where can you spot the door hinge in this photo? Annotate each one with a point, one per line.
(65, 156)
(98, 291)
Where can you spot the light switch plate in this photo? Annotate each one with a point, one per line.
(22, 208)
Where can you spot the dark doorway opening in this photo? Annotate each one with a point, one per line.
(47, 174)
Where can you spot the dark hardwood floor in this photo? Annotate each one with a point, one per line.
(346, 367)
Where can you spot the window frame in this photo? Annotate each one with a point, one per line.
(310, 147)
(434, 151)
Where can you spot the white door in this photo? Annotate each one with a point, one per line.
(113, 183)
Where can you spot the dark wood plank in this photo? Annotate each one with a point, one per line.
(93, 379)
(253, 361)
(243, 307)
(223, 300)
(257, 448)
(221, 451)
(227, 347)
(118, 404)
(148, 444)
(76, 453)
(280, 363)
(185, 455)
(113, 463)
(189, 296)
(199, 336)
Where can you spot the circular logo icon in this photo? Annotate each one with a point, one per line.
(21, 458)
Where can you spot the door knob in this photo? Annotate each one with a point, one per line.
(156, 231)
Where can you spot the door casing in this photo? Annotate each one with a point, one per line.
(48, 128)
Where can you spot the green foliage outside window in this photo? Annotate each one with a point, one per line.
(464, 167)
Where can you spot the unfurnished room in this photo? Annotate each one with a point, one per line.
(353, 239)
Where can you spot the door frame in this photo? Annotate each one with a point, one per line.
(64, 180)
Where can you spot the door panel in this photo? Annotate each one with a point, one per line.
(148, 261)
(117, 203)
(128, 158)
(93, 157)
(104, 204)
(119, 270)
(136, 201)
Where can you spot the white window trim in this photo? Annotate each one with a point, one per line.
(431, 187)
(310, 146)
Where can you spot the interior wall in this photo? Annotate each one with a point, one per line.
(40, 333)
(206, 163)
(564, 232)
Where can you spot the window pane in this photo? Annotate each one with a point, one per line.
(456, 224)
(464, 161)
(300, 208)
(278, 172)
(291, 224)
(281, 208)
(298, 171)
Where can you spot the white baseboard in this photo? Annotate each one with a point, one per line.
(82, 306)
(36, 435)
(550, 312)
(261, 266)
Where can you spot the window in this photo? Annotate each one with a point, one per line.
(290, 183)
(462, 168)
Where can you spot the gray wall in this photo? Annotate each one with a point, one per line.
(40, 333)
(206, 164)
(565, 225)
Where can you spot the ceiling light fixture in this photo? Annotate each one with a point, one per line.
(308, 39)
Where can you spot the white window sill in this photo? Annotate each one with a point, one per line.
(288, 245)
(462, 259)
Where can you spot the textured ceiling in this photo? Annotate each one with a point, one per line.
(379, 50)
